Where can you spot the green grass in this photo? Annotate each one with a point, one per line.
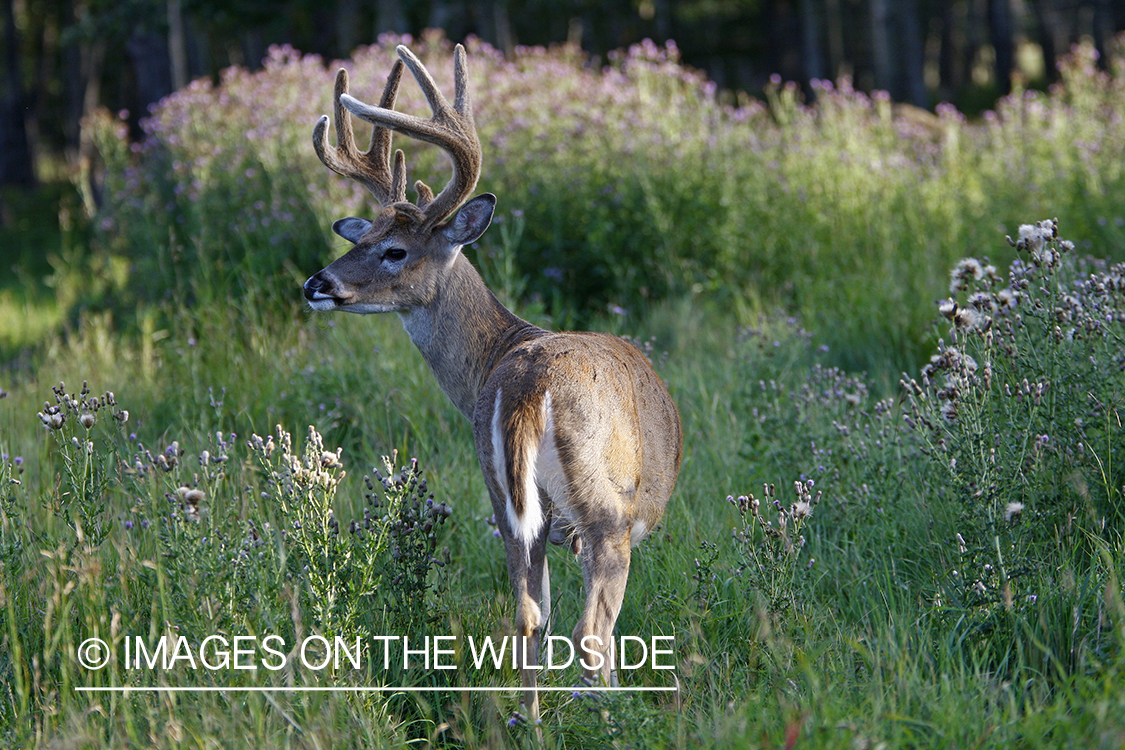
(36, 229)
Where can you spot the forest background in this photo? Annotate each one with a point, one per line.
(63, 58)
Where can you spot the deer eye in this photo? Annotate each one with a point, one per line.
(394, 254)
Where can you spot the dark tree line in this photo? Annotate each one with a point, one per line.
(64, 57)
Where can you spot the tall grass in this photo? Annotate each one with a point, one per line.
(885, 600)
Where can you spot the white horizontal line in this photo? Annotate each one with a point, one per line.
(360, 689)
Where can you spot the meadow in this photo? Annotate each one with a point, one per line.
(899, 518)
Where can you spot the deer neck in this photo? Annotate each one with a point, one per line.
(463, 332)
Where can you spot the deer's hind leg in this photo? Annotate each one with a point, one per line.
(545, 577)
(605, 571)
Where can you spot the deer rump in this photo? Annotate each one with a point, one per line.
(561, 438)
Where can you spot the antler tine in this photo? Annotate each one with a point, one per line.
(372, 168)
(450, 128)
(425, 195)
(398, 176)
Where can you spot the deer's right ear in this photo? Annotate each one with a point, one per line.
(351, 228)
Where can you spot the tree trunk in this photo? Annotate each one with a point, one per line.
(494, 25)
(813, 61)
(148, 51)
(837, 59)
(445, 14)
(1103, 31)
(1000, 23)
(913, 55)
(390, 17)
(16, 164)
(91, 60)
(1046, 25)
(785, 41)
(881, 53)
(953, 65)
(177, 45)
(663, 20)
(505, 39)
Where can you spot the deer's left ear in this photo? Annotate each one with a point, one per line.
(351, 228)
(471, 221)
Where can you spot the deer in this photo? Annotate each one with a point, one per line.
(578, 439)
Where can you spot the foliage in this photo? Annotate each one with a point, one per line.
(635, 183)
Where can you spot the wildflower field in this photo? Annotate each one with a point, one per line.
(901, 380)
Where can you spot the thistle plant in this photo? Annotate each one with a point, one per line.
(848, 441)
(770, 541)
(11, 541)
(350, 571)
(338, 576)
(406, 512)
(11, 468)
(79, 500)
(1019, 412)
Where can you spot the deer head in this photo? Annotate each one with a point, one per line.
(398, 257)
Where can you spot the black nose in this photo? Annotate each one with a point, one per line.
(314, 287)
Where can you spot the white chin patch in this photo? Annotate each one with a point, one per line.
(323, 304)
(329, 304)
(366, 308)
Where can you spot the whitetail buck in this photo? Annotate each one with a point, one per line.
(577, 437)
